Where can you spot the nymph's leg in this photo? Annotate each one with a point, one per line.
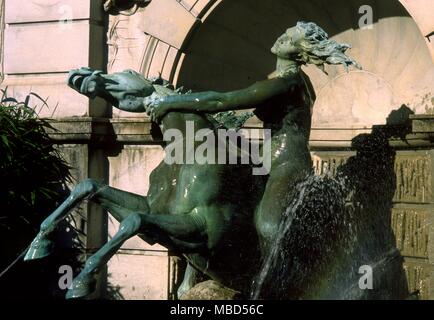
(119, 203)
(278, 192)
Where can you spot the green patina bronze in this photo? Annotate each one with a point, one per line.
(214, 214)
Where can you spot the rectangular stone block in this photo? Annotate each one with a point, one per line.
(61, 100)
(412, 229)
(329, 161)
(423, 123)
(139, 276)
(49, 48)
(414, 177)
(169, 21)
(419, 275)
(22, 11)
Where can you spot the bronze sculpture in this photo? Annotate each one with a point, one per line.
(182, 210)
(284, 104)
(206, 211)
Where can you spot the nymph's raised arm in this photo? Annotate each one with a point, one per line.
(212, 102)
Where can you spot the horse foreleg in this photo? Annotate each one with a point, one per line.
(119, 203)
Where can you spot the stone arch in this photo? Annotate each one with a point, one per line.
(199, 44)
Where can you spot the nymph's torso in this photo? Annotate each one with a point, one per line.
(288, 116)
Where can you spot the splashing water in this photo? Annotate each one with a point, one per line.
(315, 213)
(323, 240)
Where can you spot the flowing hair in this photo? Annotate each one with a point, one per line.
(316, 48)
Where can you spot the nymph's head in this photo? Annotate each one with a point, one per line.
(307, 43)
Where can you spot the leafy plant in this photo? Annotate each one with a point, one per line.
(33, 182)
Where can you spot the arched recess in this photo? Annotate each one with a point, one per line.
(224, 45)
(231, 50)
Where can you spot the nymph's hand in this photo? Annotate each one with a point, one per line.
(153, 107)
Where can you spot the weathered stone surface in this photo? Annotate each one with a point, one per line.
(160, 54)
(187, 4)
(127, 43)
(423, 16)
(167, 70)
(412, 231)
(53, 89)
(53, 47)
(414, 177)
(329, 162)
(334, 137)
(140, 276)
(21, 11)
(413, 171)
(419, 277)
(210, 290)
(423, 123)
(137, 130)
(168, 21)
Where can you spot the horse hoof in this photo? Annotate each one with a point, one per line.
(39, 248)
(82, 286)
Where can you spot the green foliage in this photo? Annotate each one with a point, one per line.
(32, 173)
(33, 179)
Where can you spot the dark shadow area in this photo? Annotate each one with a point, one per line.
(39, 279)
(34, 178)
(370, 177)
(116, 7)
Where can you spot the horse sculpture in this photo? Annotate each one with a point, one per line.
(201, 210)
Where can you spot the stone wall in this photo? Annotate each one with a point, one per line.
(223, 45)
